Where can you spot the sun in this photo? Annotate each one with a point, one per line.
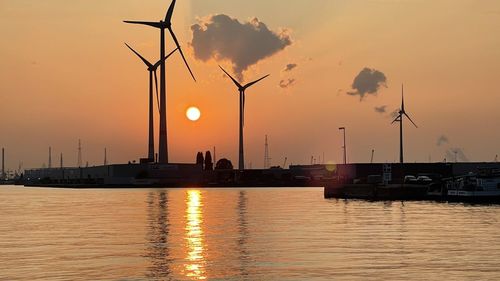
(193, 113)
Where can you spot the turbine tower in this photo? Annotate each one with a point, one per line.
(399, 118)
(241, 89)
(152, 72)
(162, 25)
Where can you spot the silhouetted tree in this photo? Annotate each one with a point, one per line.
(199, 158)
(224, 164)
(209, 165)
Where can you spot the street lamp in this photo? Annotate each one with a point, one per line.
(344, 147)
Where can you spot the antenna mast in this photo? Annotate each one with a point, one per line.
(105, 157)
(373, 152)
(267, 160)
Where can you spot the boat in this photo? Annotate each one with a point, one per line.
(480, 187)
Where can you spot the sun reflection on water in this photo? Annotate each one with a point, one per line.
(195, 259)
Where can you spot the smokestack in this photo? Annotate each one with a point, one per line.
(50, 157)
(3, 164)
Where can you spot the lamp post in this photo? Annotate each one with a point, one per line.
(344, 147)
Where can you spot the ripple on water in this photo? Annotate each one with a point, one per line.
(240, 234)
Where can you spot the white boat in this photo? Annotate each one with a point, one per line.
(483, 186)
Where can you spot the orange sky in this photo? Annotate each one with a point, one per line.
(65, 74)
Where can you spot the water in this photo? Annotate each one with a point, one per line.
(240, 234)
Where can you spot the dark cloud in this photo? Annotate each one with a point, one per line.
(456, 154)
(442, 140)
(367, 82)
(287, 83)
(381, 109)
(244, 44)
(290, 67)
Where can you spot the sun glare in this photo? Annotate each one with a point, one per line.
(193, 113)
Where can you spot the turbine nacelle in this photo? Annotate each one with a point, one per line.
(167, 24)
(242, 88)
(153, 67)
(402, 112)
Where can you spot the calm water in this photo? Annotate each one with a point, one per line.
(240, 234)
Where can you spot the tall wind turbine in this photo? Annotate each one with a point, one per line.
(162, 25)
(399, 118)
(152, 72)
(241, 89)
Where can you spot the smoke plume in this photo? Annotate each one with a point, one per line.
(442, 140)
(456, 154)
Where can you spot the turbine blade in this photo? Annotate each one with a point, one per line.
(402, 98)
(156, 85)
(148, 23)
(164, 59)
(170, 12)
(180, 51)
(410, 120)
(256, 81)
(398, 118)
(234, 80)
(141, 57)
(243, 113)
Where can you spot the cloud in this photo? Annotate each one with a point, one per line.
(442, 140)
(290, 67)
(394, 113)
(367, 82)
(381, 109)
(287, 83)
(221, 37)
(456, 154)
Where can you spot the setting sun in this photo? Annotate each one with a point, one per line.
(193, 113)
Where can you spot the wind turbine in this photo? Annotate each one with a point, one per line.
(162, 25)
(399, 118)
(241, 89)
(152, 72)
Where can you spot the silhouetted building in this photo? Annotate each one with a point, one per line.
(209, 165)
(224, 164)
(199, 158)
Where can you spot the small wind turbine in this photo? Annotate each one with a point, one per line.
(241, 89)
(399, 118)
(152, 72)
(162, 25)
